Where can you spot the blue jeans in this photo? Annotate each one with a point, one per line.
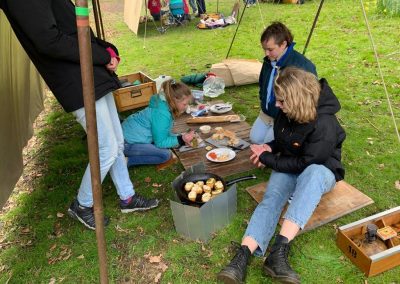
(193, 5)
(306, 189)
(111, 147)
(145, 154)
(261, 133)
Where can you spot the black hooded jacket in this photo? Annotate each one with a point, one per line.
(296, 146)
(47, 31)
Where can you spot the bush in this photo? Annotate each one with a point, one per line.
(390, 7)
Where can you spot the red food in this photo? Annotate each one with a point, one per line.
(213, 156)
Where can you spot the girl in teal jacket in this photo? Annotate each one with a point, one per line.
(148, 133)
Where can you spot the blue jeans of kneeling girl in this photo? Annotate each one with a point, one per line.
(306, 190)
(145, 154)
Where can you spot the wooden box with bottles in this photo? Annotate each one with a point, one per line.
(360, 242)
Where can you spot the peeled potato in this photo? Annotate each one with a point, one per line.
(219, 185)
(189, 186)
(198, 189)
(206, 188)
(192, 195)
(206, 197)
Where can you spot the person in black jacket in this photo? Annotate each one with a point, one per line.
(305, 158)
(47, 31)
(277, 42)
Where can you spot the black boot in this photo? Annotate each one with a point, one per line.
(235, 271)
(277, 265)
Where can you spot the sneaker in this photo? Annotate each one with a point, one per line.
(84, 215)
(138, 203)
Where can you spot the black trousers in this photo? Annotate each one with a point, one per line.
(201, 6)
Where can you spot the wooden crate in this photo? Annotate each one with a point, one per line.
(379, 262)
(133, 97)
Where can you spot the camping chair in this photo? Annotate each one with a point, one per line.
(177, 12)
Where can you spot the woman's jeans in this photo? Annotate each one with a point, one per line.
(111, 151)
(261, 133)
(306, 190)
(145, 154)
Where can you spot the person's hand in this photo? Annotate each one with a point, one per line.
(188, 137)
(112, 66)
(257, 150)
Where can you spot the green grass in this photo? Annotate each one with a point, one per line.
(342, 52)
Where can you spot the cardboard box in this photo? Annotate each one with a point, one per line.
(375, 263)
(199, 223)
(133, 97)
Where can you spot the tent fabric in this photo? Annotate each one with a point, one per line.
(132, 10)
(237, 72)
(21, 101)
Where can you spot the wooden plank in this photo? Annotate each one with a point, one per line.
(340, 201)
(241, 163)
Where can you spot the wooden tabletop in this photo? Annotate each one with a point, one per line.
(241, 163)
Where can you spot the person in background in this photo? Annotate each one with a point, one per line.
(148, 133)
(278, 45)
(49, 36)
(193, 5)
(305, 158)
(155, 9)
(201, 7)
(249, 3)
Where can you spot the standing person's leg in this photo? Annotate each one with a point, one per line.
(145, 154)
(261, 132)
(193, 5)
(110, 156)
(201, 7)
(311, 184)
(119, 171)
(261, 226)
(108, 149)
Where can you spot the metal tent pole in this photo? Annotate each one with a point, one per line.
(85, 54)
(237, 28)
(313, 26)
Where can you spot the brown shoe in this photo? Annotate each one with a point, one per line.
(173, 160)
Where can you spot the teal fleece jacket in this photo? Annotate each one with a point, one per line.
(152, 125)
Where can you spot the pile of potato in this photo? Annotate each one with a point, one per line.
(207, 190)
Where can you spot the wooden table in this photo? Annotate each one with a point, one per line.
(241, 163)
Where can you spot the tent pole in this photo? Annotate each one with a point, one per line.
(85, 54)
(313, 26)
(98, 20)
(145, 24)
(237, 28)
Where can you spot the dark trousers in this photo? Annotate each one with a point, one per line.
(201, 6)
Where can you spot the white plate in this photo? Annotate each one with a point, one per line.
(223, 155)
(221, 108)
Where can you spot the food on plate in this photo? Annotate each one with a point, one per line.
(219, 185)
(189, 186)
(212, 155)
(220, 157)
(206, 188)
(206, 197)
(192, 195)
(210, 182)
(208, 148)
(221, 133)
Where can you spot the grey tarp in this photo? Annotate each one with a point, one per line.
(21, 101)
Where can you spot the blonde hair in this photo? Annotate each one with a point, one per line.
(299, 90)
(175, 91)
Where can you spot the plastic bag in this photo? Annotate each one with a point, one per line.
(213, 86)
